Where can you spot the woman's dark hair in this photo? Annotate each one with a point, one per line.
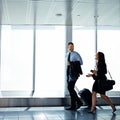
(101, 57)
(101, 62)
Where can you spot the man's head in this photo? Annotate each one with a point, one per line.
(70, 46)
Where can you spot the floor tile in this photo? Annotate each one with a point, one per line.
(58, 113)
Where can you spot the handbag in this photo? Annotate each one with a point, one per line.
(108, 85)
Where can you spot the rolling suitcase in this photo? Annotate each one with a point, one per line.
(86, 97)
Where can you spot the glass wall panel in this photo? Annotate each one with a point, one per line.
(16, 58)
(50, 61)
(109, 43)
(84, 41)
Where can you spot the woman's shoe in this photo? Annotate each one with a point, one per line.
(114, 109)
(93, 109)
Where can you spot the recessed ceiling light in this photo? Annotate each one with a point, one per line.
(58, 14)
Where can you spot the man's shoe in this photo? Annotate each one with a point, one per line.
(71, 108)
(79, 105)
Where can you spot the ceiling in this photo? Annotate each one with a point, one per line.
(60, 12)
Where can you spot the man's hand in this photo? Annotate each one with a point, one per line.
(89, 75)
(68, 63)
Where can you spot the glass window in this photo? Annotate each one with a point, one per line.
(108, 42)
(16, 58)
(84, 42)
(50, 61)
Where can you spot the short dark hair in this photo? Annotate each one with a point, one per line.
(70, 43)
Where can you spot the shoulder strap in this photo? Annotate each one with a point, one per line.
(110, 74)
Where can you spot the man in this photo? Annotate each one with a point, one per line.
(74, 62)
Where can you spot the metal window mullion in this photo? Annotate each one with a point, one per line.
(68, 34)
(0, 37)
(96, 24)
(34, 46)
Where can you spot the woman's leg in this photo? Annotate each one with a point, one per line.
(93, 101)
(106, 98)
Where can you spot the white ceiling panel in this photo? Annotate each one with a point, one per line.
(46, 13)
(109, 13)
(14, 12)
(82, 13)
(60, 12)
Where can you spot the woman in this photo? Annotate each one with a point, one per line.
(99, 77)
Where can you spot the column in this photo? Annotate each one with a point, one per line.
(68, 24)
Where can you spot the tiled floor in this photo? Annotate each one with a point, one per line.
(58, 113)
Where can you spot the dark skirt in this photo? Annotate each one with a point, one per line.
(97, 86)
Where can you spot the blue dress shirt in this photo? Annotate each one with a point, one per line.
(75, 56)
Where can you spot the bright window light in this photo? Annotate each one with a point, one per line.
(16, 58)
(50, 61)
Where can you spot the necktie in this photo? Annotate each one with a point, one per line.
(69, 57)
(68, 67)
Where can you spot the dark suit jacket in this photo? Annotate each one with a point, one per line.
(75, 69)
